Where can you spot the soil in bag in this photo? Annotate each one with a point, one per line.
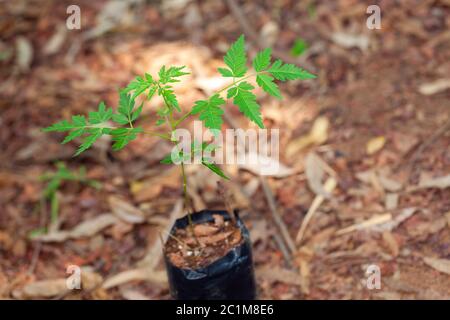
(216, 264)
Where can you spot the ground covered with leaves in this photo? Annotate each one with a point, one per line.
(364, 159)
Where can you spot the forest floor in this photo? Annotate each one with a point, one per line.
(375, 122)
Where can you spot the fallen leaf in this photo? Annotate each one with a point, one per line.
(125, 211)
(391, 243)
(439, 182)
(329, 186)
(131, 294)
(214, 238)
(434, 87)
(152, 187)
(391, 201)
(201, 230)
(139, 274)
(376, 220)
(43, 289)
(441, 265)
(348, 40)
(263, 165)
(277, 274)
(317, 136)
(396, 221)
(85, 229)
(375, 144)
(55, 43)
(24, 53)
(315, 172)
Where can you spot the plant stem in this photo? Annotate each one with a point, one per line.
(172, 126)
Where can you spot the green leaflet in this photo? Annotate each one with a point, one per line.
(126, 112)
(235, 59)
(214, 168)
(167, 93)
(210, 111)
(288, 71)
(102, 115)
(169, 75)
(94, 134)
(139, 85)
(262, 60)
(246, 101)
(266, 83)
(123, 136)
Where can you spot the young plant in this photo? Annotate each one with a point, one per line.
(121, 125)
(54, 181)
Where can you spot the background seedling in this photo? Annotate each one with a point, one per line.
(54, 181)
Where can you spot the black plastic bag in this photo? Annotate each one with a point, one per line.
(230, 277)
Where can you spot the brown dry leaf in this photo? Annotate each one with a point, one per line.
(131, 294)
(85, 229)
(348, 40)
(315, 169)
(24, 53)
(372, 222)
(391, 201)
(329, 186)
(277, 274)
(125, 211)
(391, 243)
(441, 265)
(439, 182)
(139, 274)
(317, 136)
(42, 289)
(152, 187)
(201, 230)
(55, 43)
(218, 220)
(89, 278)
(396, 221)
(214, 238)
(375, 144)
(434, 87)
(263, 165)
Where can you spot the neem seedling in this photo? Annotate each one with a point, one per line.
(121, 126)
(54, 181)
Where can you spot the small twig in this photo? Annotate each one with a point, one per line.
(276, 216)
(286, 254)
(330, 184)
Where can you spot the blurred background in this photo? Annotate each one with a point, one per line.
(365, 159)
